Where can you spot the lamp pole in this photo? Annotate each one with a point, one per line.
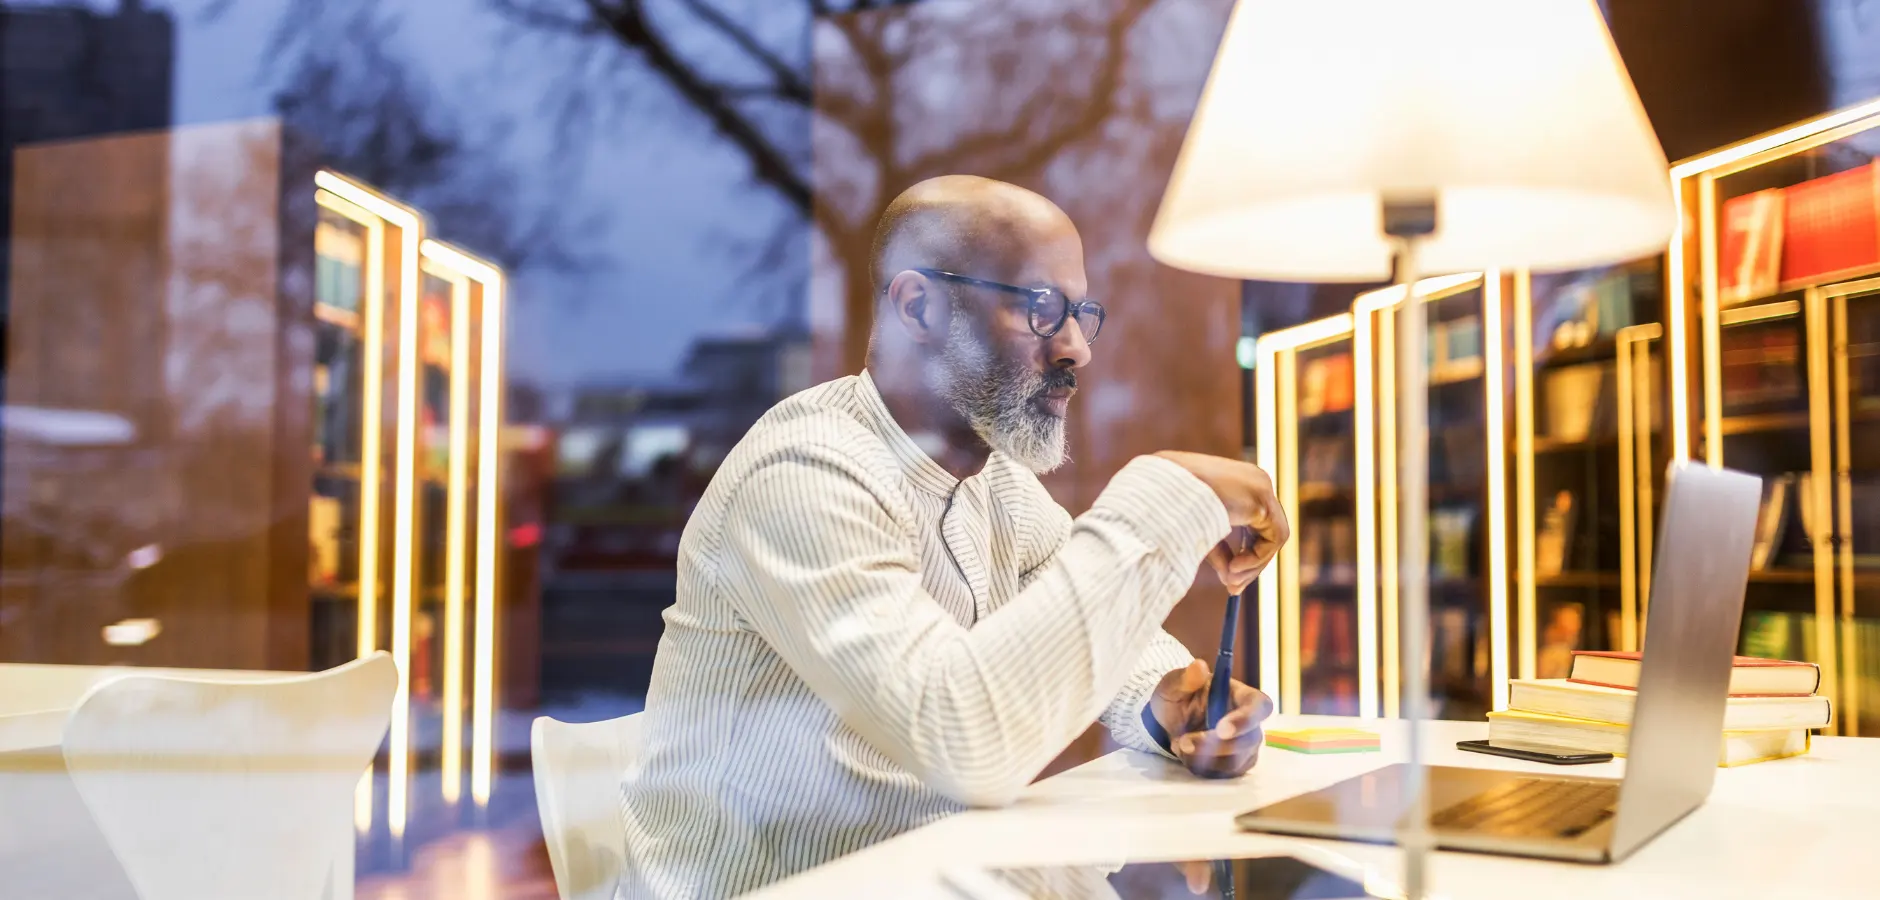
(1408, 221)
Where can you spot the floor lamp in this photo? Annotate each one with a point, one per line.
(1359, 140)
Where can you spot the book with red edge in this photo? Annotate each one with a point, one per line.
(1832, 226)
(1749, 676)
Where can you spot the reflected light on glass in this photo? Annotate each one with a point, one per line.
(404, 504)
(489, 490)
(371, 441)
(132, 632)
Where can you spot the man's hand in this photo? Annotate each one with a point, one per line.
(1260, 527)
(1180, 706)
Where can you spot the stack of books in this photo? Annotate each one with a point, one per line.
(1772, 707)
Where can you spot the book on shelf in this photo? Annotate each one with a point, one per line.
(1576, 400)
(323, 525)
(1326, 459)
(1311, 624)
(1554, 540)
(322, 411)
(1761, 368)
(1452, 530)
(339, 257)
(1832, 226)
(1749, 676)
(1516, 726)
(1750, 246)
(1455, 349)
(1562, 634)
(1328, 550)
(1560, 697)
(1326, 385)
(1452, 647)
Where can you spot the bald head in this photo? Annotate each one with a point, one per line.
(977, 226)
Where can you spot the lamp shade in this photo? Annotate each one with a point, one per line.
(1515, 115)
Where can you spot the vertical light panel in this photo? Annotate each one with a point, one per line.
(1497, 575)
(404, 501)
(1527, 642)
(488, 512)
(1291, 696)
(456, 526)
(1820, 536)
(371, 437)
(1266, 453)
(1712, 333)
(1642, 455)
(1628, 473)
(1372, 315)
(1275, 393)
(1364, 476)
(1677, 316)
(1387, 500)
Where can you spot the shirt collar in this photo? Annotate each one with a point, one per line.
(919, 468)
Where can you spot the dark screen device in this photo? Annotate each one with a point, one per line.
(1559, 756)
(1246, 878)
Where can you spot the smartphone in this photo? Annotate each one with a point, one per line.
(1559, 756)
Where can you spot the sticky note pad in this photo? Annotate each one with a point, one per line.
(1323, 740)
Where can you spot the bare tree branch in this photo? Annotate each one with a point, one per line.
(790, 84)
(769, 164)
(525, 13)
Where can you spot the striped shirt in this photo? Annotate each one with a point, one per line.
(863, 644)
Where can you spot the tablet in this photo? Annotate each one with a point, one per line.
(1253, 878)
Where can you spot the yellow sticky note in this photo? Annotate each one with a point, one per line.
(1324, 740)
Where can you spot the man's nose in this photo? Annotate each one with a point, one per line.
(1068, 348)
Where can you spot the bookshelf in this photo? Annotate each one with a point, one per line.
(1310, 626)
(1778, 280)
(1585, 363)
(1468, 607)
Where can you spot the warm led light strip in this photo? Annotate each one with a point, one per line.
(404, 507)
(1376, 485)
(1756, 151)
(372, 417)
(1266, 454)
(455, 527)
(1497, 574)
(1364, 421)
(1267, 352)
(1527, 641)
(489, 489)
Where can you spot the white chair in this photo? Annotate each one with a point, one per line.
(577, 789)
(215, 790)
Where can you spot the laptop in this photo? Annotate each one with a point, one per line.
(1671, 759)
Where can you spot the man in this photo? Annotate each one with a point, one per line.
(883, 618)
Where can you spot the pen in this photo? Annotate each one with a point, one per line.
(1219, 696)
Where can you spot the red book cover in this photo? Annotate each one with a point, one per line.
(1755, 686)
(1750, 246)
(1833, 226)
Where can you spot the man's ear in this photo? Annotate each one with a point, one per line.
(919, 309)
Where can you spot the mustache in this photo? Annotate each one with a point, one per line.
(1057, 379)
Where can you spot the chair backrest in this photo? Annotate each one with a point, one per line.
(578, 771)
(214, 790)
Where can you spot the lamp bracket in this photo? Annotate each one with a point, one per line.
(1410, 215)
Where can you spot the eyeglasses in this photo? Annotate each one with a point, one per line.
(1049, 309)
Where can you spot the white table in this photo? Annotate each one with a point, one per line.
(49, 845)
(1804, 827)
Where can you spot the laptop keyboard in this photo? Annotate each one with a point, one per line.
(1532, 807)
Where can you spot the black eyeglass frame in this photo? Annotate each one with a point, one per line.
(1039, 296)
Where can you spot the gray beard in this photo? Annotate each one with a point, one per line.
(995, 397)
